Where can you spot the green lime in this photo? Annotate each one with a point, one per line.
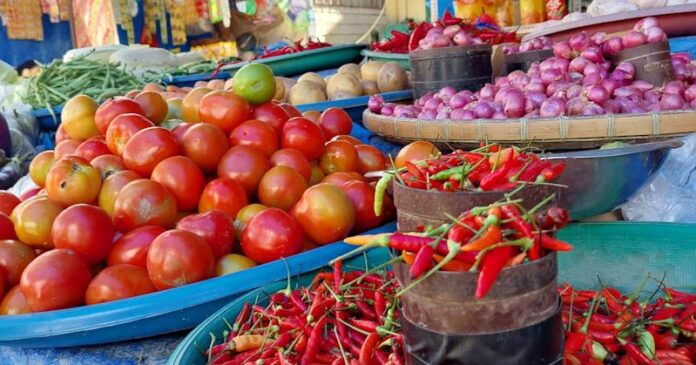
(255, 83)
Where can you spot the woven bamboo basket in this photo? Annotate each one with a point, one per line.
(563, 133)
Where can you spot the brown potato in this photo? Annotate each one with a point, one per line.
(392, 77)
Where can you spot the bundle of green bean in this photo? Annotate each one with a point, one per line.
(59, 81)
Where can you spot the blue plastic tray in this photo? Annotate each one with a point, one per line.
(157, 313)
(356, 106)
(46, 120)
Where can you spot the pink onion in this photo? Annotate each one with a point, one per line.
(441, 41)
(482, 110)
(451, 30)
(592, 54)
(575, 76)
(634, 109)
(611, 85)
(466, 115)
(645, 23)
(681, 57)
(673, 87)
(457, 114)
(690, 93)
(443, 114)
(652, 96)
(457, 101)
(499, 114)
(504, 93)
(375, 103)
(535, 84)
(593, 68)
(421, 101)
(592, 109)
(598, 38)
(537, 44)
(561, 64)
(526, 47)
(633, 39)
(592, 79)
(630, 92)
(578, 64)
(612, 46)
(501, 82)
(497, 106)
(653, 107)
(487, 92)
(562, 49)
(446, 92)
(552, 107)
(610, 107)
(508, 49)
(628, 68)
(671, 102)
(573, 91)
(536, 97)
(555, 87)
(428, 114)
(513, 106)
(387, 109)
(574, 106)
(463, 38)
(405, 113)
(433, 103)
(534, 114)
(692, 104)
(579, 42)
(551, 75)
(642, 85)
(655, 35)
(546, 64)
(680, 71)
(597, 94)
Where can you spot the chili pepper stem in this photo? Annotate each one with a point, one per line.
(530, 213)
(340, 347)
(381, 241)
(524, 243)
(374, 269)
(353, 327)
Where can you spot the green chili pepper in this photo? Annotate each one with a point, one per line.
(380, 190)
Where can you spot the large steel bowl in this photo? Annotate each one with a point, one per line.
(599, 181)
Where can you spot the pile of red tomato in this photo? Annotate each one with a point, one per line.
(125, 207)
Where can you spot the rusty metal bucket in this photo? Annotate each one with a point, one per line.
(652, 62)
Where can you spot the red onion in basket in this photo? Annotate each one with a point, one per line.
(463, 38)
(690, 93)
(611, 85)
(487, 92)
(628, 68)
(612, 46)
(692, 104)
(405, 113)
(645, 23)
(532, 115)
(526, 47)
(573, 90)
(652, 96)
(433, 103)
(578, 64)
(562, 49)
(561, 64)
(592, 79)
(510, 48)
(496, 106)
(499, 115)
(551, 76)
(446, 92)
(574, 106)
(592, 54)
(680, 71)
(671, 102)
(641, 85)
(504, 93)
(552, 107)
(535, 84)
(673, 87)
(451, 30)
(655, 35)
(630, 92)
(681, 57)
(467, 115)
(633, 39)
(610, 107)
(387, 110)
(375, 103)
(598, 38)
(513, 106)
(457, 114)
(593, 68)
(555, 87)
(597, 94)
(501, 82)
(427, 114)
(443, 114)
(592, 109)
(536, 97)
(482, 109)
(546, 64)
(579, 42)
(441, 41)
(458, 101)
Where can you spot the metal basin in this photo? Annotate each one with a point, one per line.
(599, 181)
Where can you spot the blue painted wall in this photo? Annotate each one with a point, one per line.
(57, 41)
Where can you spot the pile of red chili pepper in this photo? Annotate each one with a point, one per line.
(484, 239)
(341, 318)
(312, 43)
(608, 327)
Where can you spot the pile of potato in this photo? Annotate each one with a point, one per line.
(350, 81)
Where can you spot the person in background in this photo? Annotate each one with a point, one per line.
(28, 69)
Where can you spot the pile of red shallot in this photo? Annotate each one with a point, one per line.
(451, 35)
(535, 44)
(577, 81)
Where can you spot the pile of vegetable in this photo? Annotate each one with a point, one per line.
(536, 44)
(578, 80)
(484, 239)
(608, 327)
(341, 318)
(241, 181)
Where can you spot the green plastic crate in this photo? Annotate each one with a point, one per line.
(401, 58)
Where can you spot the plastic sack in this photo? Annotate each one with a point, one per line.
(606, 7)
(670, 196)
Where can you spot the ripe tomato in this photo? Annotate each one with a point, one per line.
(335, 122)
(8, 202)
(131, 248)
(340, 178)
(223, 194)
(118, 282)
(255, 134)
(293, 159)
(415, 151)
(112, 186)
(66, 148)
(325, 213)
(362, 195)
(232, 263)
(348, 138)
(7, 230)
(189, 106)
(291, 110)
(33, 220)
(122, 128)
(148, 147)
(91, 148)
(271, 114)
(245, 164)
(31, 193)
(181, 176)
(281, 187)
(72, 180)
(317, 175)
(244, 216)
(85, 229)
(56, 279)
(305, 136)
(14, 258)
(14, 303)
(180, 130)
(38, 169)
(370, 158)
(224, 109)
(312, 115)
(214, 227)
(61, 134)
(112, 108)
(205, 144)
(338, 156)
(142, 203)
(154, 106)
(177, 258)
(78, 117)
(270, 235)
(107, 165)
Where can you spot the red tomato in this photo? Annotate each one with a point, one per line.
(148, 147)
(72, 180)
(112, 108)
(14, 258)
(325, 213)
(61, 134)
(414, 152)
(118, 282)
(14, 303)
(205, 144)
(85, 229)
(245, 164)
(339, 178)
(224, 109)
(154, 106)
(180, 130)
(181, 176)
(255, 134)
(281, 187)
(305, 136)
(271, 114)
(370, 158)
(317, 174)
(338, 156)
(177, 258)
(112, 186)
(7, 230)
(244, 216)
(91, 148)
(107, 165)
(38, 169)
(33, 220)
(293, 159)
(30, 193)
(270, 235)
(8, 202)
(142, 203)
(122, 128)
(362, 195)
(290, 109)
(335, 122)
(215, 227)
(223, 194)
(344, 137)
(66, 148)
(131, 248)
(56, 279)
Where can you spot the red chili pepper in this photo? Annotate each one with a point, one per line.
(552, 172)
(283, 340)
(423, 261)
(493, 263)
(497, 177)
(337, 275)
(574, 342)
(241, 318)
(366, 311)
(368, 348)
(603, 337)
(533, 170)
(635, 354)
(666, 341)
(553, 244)
(356, 337)
(680, 297)
(380, 305)
(313, 342)
(460, 234)
(365, 325)
(382, 358)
